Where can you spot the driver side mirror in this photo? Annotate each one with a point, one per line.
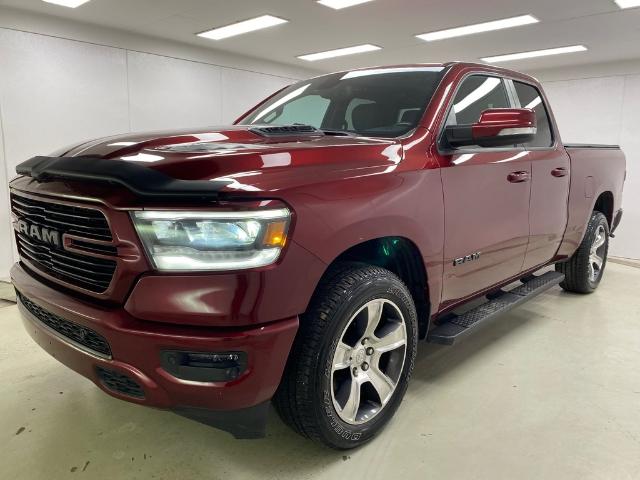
(497, 127)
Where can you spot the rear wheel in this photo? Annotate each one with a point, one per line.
(583, 271)
(350, 364)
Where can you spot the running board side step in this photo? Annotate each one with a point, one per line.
(451, 327)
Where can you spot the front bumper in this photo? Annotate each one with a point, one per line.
(238, 406)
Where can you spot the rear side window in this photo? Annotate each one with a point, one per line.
(476, 94)
(530, 98)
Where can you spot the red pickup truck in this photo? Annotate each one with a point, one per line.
(300, 255)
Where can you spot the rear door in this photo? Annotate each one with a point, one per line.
(550, 173)
(486, 198)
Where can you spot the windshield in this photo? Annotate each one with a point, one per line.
(385, 102)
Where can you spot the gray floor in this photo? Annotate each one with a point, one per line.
(550, 390)
(7, 294)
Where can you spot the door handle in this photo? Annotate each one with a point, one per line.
(559, 172)
(518, 177)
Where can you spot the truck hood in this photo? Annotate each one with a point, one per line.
(250, 162)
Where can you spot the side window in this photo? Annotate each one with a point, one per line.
(476, 94)
(310, 108)
(531, 98)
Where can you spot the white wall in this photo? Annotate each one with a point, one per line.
(601, 104)
(6, 239)
(55, 91)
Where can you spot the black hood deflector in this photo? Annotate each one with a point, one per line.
(142, 181)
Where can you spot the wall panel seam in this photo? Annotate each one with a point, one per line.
(8, 177)
(157, 54)
(126, 59)
(589, 77)
(621, 113)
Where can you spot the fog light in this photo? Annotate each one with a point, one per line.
(204, 366)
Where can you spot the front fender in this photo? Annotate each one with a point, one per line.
(331, 220)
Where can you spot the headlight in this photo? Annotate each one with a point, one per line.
(177, 240)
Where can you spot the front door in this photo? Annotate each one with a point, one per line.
(486, 198)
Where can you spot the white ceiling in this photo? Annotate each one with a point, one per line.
(608, 32)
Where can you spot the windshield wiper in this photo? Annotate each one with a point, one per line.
(298, 128)
(329, 131)
(337, 133)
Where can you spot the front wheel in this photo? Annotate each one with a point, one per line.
(351, 362)
(584, 270)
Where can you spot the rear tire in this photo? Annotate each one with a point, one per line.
(353, 355)
(583, 271)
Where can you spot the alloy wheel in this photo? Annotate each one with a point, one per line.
(597, 253)
(368, 361)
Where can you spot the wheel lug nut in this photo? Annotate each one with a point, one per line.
(364, 341)
(369, 350)
(355, 371)
(365, 366)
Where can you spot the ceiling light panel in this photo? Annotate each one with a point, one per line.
(340, 4)
(535, 53)
(479, 28)
(628, 3)
(67, 3)
(246, 26)
(312, 57)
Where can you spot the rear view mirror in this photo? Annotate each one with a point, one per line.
(497, 127)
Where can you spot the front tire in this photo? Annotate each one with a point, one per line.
(583, 271)
(352, 358)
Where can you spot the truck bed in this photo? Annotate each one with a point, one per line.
(594, 169)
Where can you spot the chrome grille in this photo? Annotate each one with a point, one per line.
(88, 271)
(84, 222)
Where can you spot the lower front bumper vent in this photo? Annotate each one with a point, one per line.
(83, 337)
(120, 383)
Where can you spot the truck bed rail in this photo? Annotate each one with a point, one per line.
(591, 145)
